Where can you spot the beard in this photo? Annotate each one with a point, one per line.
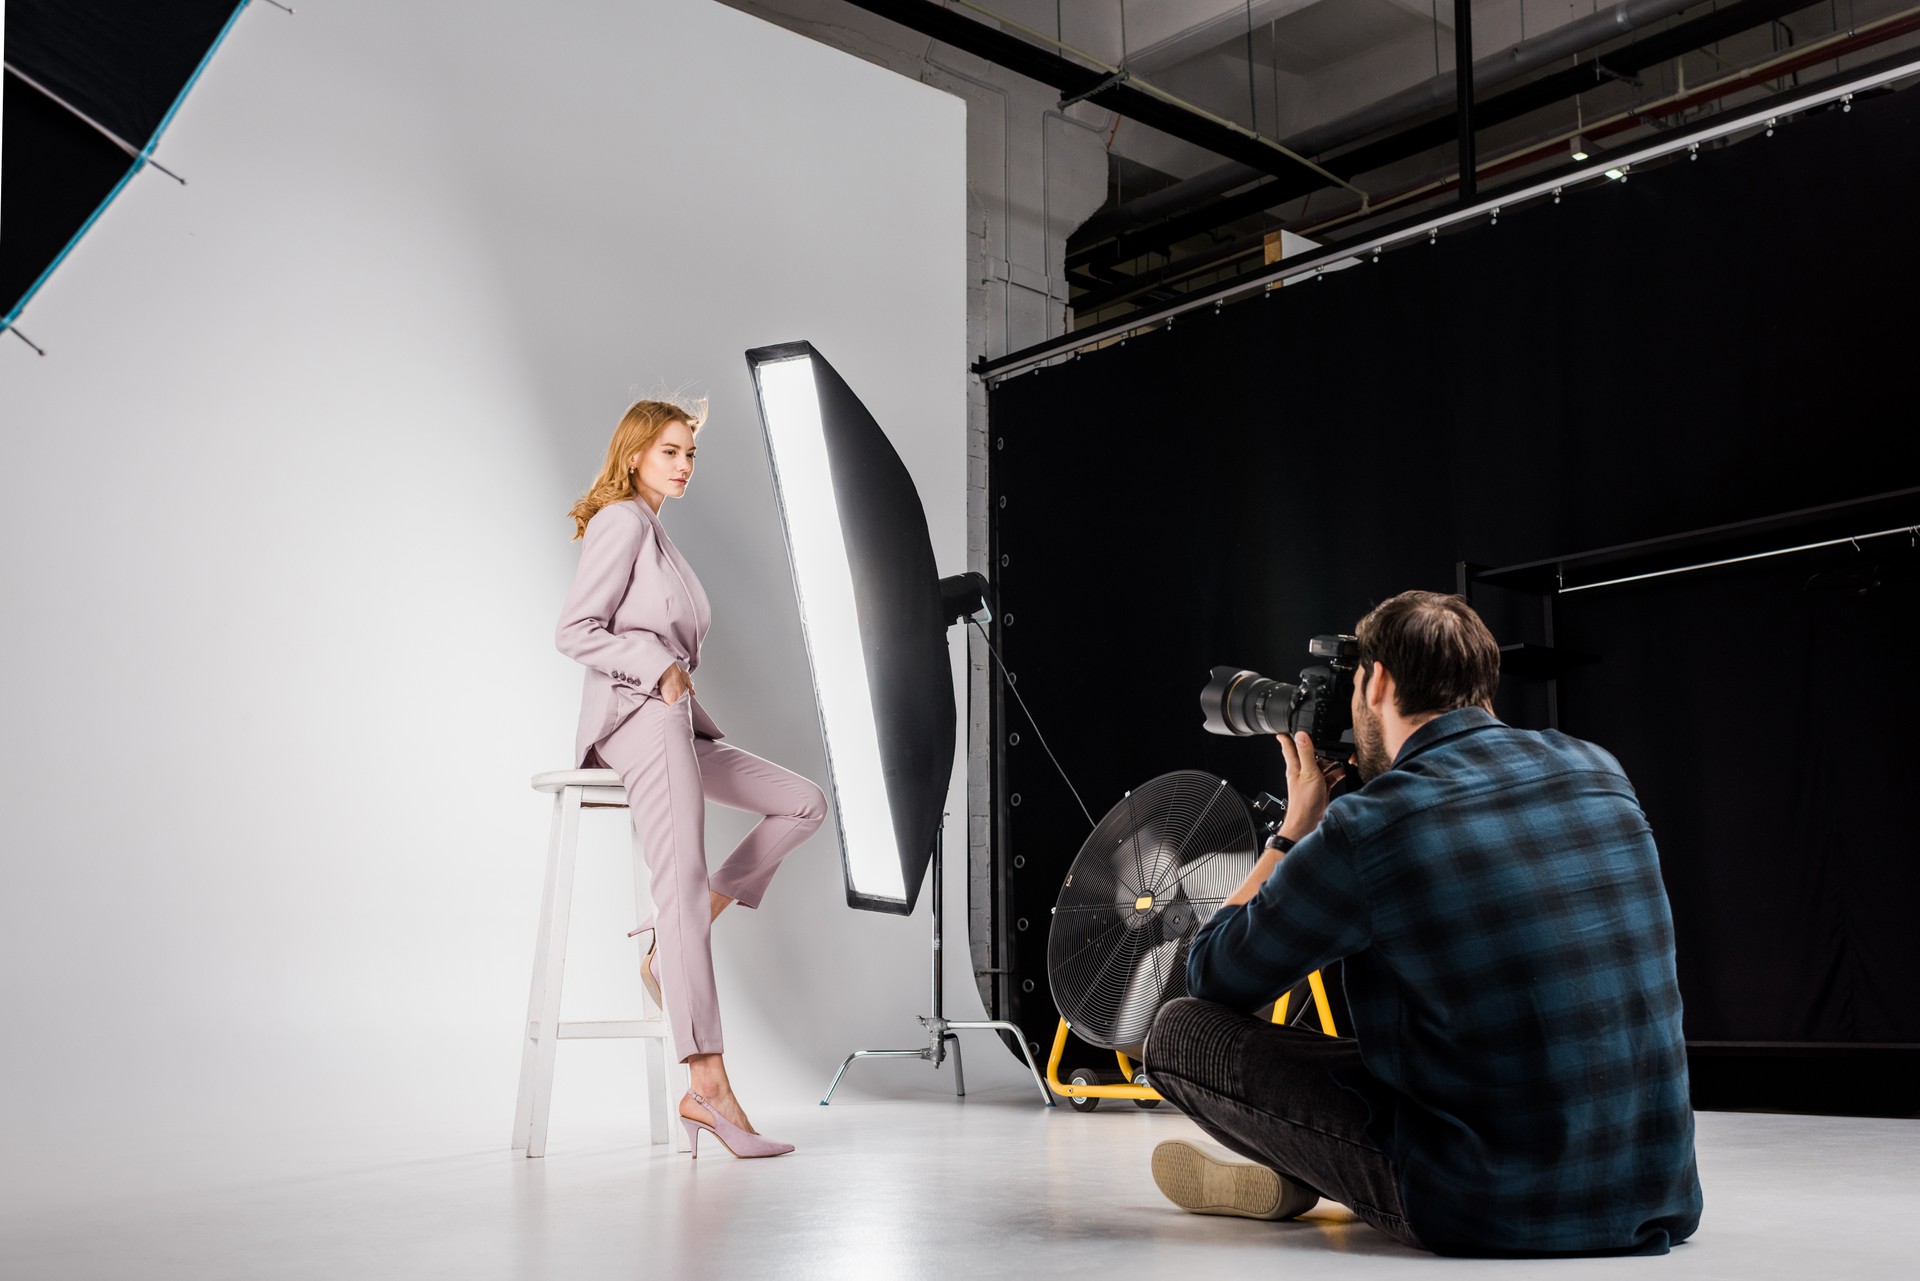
(1370, 745)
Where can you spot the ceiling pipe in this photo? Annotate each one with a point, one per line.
(1652, 49)
(1433, 94)
(1792, 62)
(1463, 92)
(1162, 281)
(1105, 88)
(1208, 34)
(1161, 284)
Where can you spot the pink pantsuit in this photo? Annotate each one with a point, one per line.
(635, 609)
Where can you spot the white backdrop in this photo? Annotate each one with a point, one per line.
(282, 522)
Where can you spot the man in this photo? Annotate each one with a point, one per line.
(1516, 1082)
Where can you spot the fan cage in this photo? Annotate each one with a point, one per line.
(1153, 870)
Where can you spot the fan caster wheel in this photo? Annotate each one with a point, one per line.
(1140, 1078)
(1083, 1076)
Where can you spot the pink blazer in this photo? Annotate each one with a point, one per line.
(635, 609)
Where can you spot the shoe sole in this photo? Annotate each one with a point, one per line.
(649, 982)
(1201, 1183)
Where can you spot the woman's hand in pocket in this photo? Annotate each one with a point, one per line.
(675, 683)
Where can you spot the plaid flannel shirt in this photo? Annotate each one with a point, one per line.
(1507, 949)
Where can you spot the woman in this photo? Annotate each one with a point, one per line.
(635, 618)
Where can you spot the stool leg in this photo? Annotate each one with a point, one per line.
(679, 1081)
(552, 962)
(656, 1089)
(662, 1099)
(530, 1030)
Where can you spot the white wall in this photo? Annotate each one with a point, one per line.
(283, 537)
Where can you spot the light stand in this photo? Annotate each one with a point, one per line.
(939, 1028)
(875, 614)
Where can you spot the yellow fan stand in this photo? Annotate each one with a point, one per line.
(1146, 1095)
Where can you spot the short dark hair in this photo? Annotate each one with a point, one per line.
(1440, 653)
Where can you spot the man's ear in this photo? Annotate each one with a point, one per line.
(1379, 687)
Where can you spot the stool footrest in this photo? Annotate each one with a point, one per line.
(612, 1028)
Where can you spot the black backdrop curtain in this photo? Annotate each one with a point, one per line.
(1712, 341)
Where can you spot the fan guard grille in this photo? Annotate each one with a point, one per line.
(1154, 869)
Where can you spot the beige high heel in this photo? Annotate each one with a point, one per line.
(648, 979)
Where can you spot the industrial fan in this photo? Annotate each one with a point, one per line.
(1147, 878)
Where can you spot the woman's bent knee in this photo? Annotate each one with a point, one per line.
(813, 807)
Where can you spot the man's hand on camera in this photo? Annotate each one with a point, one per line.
(1308, 784)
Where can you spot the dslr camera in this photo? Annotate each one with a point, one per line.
(1244, 703)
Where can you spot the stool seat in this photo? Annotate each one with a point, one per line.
(555, 779)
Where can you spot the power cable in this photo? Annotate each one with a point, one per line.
(1013, 689)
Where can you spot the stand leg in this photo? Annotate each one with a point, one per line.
(1019, 1039)
(867, 1054)
(959, 1077)
(844, 1065)
(939, 1030)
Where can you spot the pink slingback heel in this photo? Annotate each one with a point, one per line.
(739, 1142)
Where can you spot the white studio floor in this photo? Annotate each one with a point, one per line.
(926, 1187)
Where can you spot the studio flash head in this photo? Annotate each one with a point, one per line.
(1244, 703)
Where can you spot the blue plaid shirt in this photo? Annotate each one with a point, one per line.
(1508, 957)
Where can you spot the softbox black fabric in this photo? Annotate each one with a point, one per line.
(123, 66)
(1712, 341)
(903, 629)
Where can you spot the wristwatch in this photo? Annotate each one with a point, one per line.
(1280, 843)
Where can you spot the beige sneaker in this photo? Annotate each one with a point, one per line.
(1209, 1180)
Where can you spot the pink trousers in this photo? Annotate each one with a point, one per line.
(669, 776)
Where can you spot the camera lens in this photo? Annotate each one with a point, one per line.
(1242, 703)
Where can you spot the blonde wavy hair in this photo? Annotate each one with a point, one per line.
(644, 420)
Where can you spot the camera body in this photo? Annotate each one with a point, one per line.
(1239, 702)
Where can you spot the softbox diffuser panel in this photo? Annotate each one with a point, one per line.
(895, 596)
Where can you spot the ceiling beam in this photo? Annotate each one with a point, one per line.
(1108, 287)
(1437, 131)
(1838, 88)
(1083, 83)
(1208, 27)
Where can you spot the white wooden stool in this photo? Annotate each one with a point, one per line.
(574, 790)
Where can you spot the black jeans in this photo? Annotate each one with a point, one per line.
(1268, 1093)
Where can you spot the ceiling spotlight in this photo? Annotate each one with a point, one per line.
(1581, 151)
(1616, 174)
